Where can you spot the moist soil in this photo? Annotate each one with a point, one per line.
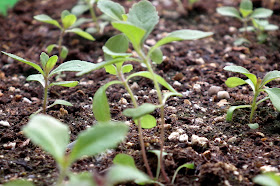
(233, 154)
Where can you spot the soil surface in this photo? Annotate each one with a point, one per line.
(233, 153)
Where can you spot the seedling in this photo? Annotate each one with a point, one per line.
(47, 71)
(267, 179)
(68, 21)
(245, 14)
(258, 85)
(53, 136)
(5, 5)
(136, 26)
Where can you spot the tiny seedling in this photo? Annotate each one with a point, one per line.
(186, 165)
(258, 85)
(68, 25)
(245, 15)
(5, 5)
(53, 136)
(136, 26)
(267, 179)
(47, 71)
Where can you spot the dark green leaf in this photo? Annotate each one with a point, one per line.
(64, 52)
(117, 44)
(156, 56)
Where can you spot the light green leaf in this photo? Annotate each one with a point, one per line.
(69, 20)
(64, 13)
(246, 8)
(81, 33)
(267, 179)
(44, 59)
(111, 9)
(241, 41)
(37, 67)
(247, 29)
(114, 54)
(140, 111)
(60, 102)
(261, 13)
(186, 165)
(169, 94)
(133, 33)
(243, 71)
(50, 48)
(228, 11)
(180, 35)
(156, 56)
(274, 96)
(37, 77)
(271, 27)
(143, 15)
(47, 19)
(147, 121)
(149, 76)
(64, 52)
(234, 82)
(100, 105)
(81, 179)
(111, 69)
(19, 182)
(79, 9)
(127, 68)
(253, 125)
(117, 44)
(72, 66)
(97, 139)
(125, 160)
(51, 63)
(50, 134)
(65, 83)
(157, 153)
(232, 108)
(270, 76)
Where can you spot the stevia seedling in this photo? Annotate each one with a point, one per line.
(47, 71)
(68, 25)
(136, 26)
(258, 85)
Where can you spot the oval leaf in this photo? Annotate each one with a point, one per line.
(60, 102)
(228, 11)
(50, 48)
(274, 96)
(82, 33)
(117, 44)
(44, 59)
(111, 69)
(79, 9)
(51, 63)
(37, 77)
(124, 159)
(140, 111)
(147, 122)
(65, 83)
(261, 13)
(127, 68)
(68, 20)
(47, 19)
(157, 56)
(111, 9)
(64, 52)
(234, 82)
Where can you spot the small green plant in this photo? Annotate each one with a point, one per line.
(47, 71)
(68, 25)
(5, 5)
(136, 26)
(53, 136)
(268, 179)
(258, 85)
(246, 14)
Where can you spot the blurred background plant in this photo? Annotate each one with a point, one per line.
(5, 5)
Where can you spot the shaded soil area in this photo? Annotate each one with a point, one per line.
(233, 153)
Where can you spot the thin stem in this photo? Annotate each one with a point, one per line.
(45, 95)
(254, 106)
(94, 18)
(135, 104)
(60, 40)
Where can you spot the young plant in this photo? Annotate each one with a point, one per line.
(68, 25)
(136, 26)
(53, 136)
(245, 14)
(267, 179)
(258, 85)
(47, 71)
(5, 5)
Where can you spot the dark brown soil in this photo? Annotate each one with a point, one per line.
(234, 152)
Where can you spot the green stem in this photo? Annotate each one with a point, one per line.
(135, 104)
(60, 40)
(45, 95)
(94, 18)
(254, 106)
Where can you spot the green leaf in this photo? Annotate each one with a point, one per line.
(79, 9)
(68, 21)
(100, 105)
(241, 41)
(81, 33)
(147, 121)
(81, 179)
(97, 139)
(234, 82)
(44, 59)
(186, 165)
(47, 19)
(232, 108)
(64, 13)
(143, 15)
(243, 71)
(124, 159)
(140, 111)
(111, 69)
(169, 94)
(157, 153)
(50, 134)
(156, 56)
(246, 8)
(133, 33)
(51, 63)
(72, 66)
(248, 29)
(114, 54)
(37, 67)
(64, 52)
(228, 11)
(261, 13)
(148, 75)
(180, 35)
(119, 174)
(50, 48)
(5, 5)
(37, 77)
(253, 125)
(65, 83)
(267, 179)
(271, 27)
(274, 96)
(270, 76)
(127, 68)
(111, 9)
(117, 44)
(60, 102)
(19, 183)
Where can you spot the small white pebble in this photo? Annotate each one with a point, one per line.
(200, 61)
(183, 138)
(5, 123)
(153, 91)
(123, 101)
(134, 86)
(268, 168)
(198, 121)
(201, 141)
(174, 136)
(177, 84)
(26, 100)
(213, 90)
(223, 95)
(232, 139)
(197, 87)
